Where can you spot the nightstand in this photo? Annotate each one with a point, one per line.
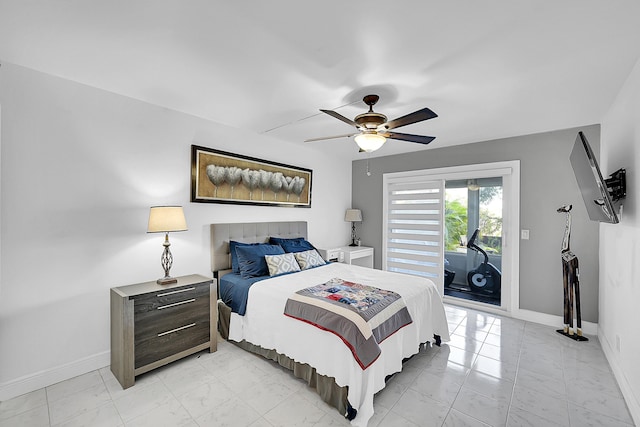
(356, 255)
(152, 325)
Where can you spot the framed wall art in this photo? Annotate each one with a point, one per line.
(222, 177)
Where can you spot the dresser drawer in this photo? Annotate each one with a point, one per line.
(170, 342)
(161, 299)
(155, 315)
(331, 254)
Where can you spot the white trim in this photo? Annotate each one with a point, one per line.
(510, 172)
(618, 372)
(38, 380)
(588, 328)
(0, 194)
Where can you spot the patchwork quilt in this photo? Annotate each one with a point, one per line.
(362, 316)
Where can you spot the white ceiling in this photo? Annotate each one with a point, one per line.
(489, 69)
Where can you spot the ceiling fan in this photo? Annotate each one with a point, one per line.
(374, 129)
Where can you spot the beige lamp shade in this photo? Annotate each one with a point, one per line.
(163, 219)
(353, 215)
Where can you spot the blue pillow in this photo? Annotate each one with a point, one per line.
(251, 259)
(298, 244)
(234, 258)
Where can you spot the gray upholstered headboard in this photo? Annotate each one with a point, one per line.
(248, 232)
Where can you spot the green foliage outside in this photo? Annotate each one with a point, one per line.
(455, 223)
(490, 225)
(488, 193)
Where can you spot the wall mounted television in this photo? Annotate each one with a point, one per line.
(601, 196)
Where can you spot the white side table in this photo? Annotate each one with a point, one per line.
(356, 255)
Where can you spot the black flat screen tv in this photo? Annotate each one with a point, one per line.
(598, 199)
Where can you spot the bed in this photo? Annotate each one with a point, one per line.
(316, 355)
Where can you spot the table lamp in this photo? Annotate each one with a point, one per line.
(166, 219)
(353, 215)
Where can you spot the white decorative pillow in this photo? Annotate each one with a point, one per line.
(309, 259)
(280, 264)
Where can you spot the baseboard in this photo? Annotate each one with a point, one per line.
(588, 328)
(627, 392)
(38, 380)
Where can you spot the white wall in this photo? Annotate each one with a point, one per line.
(80, 168)
(619, 245)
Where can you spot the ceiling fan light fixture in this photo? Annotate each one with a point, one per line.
(370, 141)
(374, 127)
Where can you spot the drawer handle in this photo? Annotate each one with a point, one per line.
(187, 301)
(176, 329)
(175, 292)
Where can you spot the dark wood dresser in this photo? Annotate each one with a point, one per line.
(152, 325)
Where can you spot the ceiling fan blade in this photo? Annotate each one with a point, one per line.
(340, 117)
(330, 137)
(408, 137)
(416, 116)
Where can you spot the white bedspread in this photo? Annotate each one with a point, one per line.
(264, 324)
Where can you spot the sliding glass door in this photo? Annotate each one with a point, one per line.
(457, 226)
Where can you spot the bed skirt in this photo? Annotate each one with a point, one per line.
(325, 386)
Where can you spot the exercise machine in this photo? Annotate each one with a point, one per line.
(485, 278)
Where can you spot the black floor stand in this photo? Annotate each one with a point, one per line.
(575, 337)
(571, 284)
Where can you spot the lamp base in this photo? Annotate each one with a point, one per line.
(167, 281)
(353, 244)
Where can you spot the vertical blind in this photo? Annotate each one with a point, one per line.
(414, 228)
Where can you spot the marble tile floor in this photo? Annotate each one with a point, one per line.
(495, 371)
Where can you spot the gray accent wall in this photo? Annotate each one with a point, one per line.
(546, 183)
